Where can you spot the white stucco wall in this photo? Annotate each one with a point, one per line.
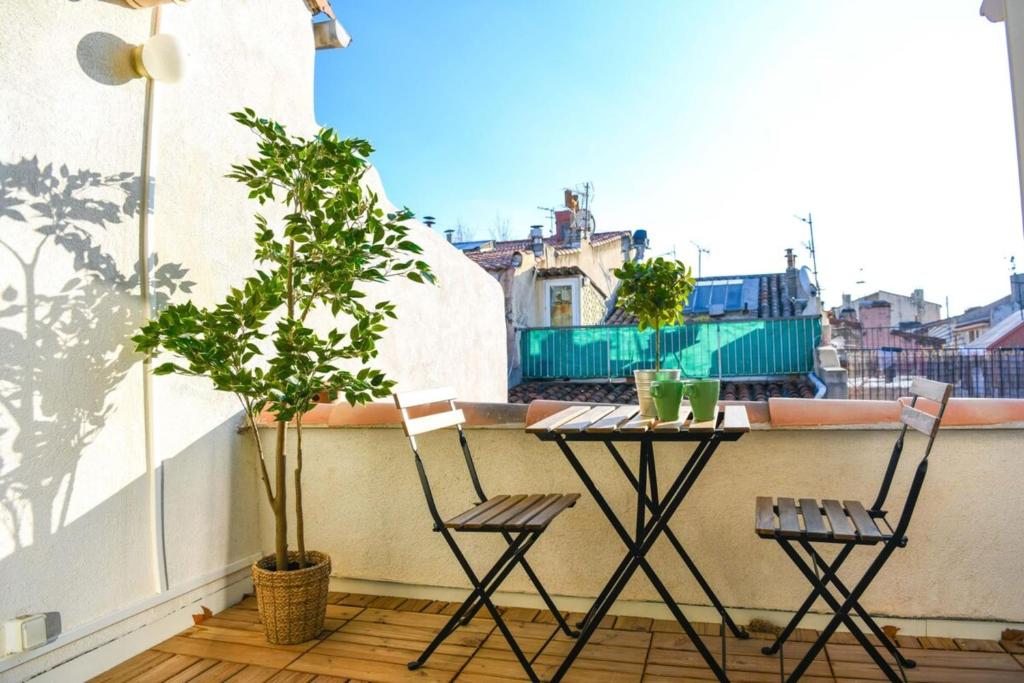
(78, 495)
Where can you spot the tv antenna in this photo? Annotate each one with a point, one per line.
(810, 247)
(551, 217)
(700, 252)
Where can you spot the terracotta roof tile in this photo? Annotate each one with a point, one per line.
(496, 260)
(491, 259)
(625, 391)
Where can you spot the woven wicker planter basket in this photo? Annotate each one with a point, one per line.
(292, 603)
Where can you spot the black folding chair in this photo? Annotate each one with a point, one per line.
(520, 519)
(850, 524)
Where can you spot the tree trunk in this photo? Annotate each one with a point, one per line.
(657, 347)
(300, 531)
(280, 511)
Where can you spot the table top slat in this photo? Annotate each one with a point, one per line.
(581, 422)
(638, 424)
(708, 425)
(736, 419)
(552, 421)
(679, 425)
(612, 421)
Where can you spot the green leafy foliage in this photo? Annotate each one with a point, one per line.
(655, 292)
(335, 239)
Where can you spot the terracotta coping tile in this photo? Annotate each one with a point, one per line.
(779, 413)
(975, 412)
(385, 413)
(961, 412)
(802, 412)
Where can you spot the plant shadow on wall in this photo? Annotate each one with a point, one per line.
(64, 346)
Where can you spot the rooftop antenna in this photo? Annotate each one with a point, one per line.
(551, 217)
(810, 247)
(700, 252)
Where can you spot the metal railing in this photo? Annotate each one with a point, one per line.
(728, 348)
(885, 374)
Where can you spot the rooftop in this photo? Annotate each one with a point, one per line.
(497, 255)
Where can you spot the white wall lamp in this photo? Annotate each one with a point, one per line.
(159, 59)
(330, 34)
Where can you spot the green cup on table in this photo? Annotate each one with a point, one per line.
(703, 396)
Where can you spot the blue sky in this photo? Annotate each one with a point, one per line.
(711, 121)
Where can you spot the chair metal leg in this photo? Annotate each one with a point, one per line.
(477, 604)
(559, 619)
(829, 572)
(863, 613)
(483, 589)
(841, 612)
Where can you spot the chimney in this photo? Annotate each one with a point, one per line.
(847, 301)
(429, 221)
(448, 234)
(1017, 289)
(640, 244)
(792, 280)
(563, 226)
(537, 240)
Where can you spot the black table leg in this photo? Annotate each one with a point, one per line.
(637, 548)
(652, 503)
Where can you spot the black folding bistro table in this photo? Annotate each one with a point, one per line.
(613, 425)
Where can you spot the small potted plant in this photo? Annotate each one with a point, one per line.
(256, 344)
(654, 292)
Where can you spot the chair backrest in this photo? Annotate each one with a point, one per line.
(414, 426)
(914, 418)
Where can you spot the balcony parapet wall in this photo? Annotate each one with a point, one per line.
(364, 505)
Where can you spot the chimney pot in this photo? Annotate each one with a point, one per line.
(449, 233)
(537, 240)
(790, 259)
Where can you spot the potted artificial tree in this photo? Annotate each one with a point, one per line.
(654, 292)
(333, 239)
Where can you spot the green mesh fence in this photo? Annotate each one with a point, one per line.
(737, 348)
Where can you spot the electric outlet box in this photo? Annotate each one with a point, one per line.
(24, 633)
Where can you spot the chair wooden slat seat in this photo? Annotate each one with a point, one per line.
(513, 513)
(848, 521)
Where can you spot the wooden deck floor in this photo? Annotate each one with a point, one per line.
(370, 638)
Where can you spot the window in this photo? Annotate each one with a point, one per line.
(562, 302)
(731, 295)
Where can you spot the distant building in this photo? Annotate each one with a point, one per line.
(562, 280)
(868, 327)
(904, 311)
(1008, 333)
(752, 297)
